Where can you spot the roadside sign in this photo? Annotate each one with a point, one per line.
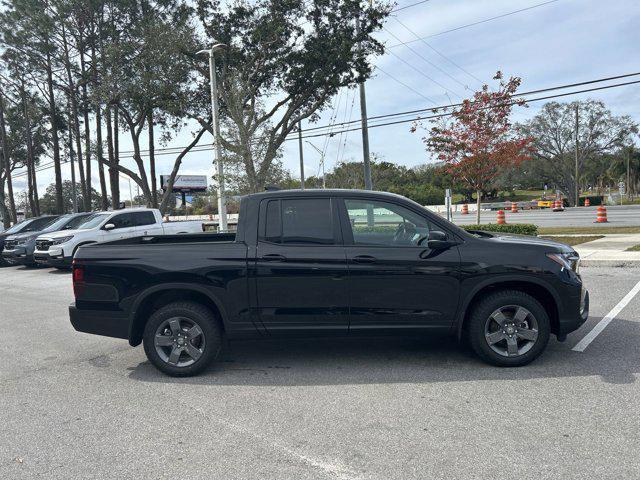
(185, 183)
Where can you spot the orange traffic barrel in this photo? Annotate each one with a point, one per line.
(601, 215)
(557, 206)
(500, 218)
(587, 202)
(514, 207)
(465, 209)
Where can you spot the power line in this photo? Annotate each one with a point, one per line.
(401, 83)
(436, 51)
(447, 114)
(408, 6)
(427, 61)
(452, 105)
(479, 22)
(434, 109)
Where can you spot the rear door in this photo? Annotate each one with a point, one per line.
(301, 268)
(395, 280)
(145, 223)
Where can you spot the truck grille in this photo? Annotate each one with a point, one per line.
(10, 244)
(43, 245)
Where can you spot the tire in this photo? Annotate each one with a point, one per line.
(503, 319)
(171, 342)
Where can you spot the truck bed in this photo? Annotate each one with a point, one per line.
(178, 238)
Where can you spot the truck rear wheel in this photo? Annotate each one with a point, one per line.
(508, 329)
(181, 339)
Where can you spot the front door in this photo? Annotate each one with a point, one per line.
(395, 280)
(301, 268)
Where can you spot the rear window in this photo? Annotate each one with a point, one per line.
(299, 221)
(143, 218)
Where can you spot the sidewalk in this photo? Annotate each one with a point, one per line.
(610, 251)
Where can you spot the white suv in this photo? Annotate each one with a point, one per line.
(57, 249)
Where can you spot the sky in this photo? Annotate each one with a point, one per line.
(560, 42)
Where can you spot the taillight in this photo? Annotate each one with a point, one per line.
(78, 278)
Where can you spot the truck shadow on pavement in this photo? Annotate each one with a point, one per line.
(353, 361)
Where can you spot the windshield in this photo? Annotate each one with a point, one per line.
(58, 224)
(94, 221)
(18, 226)
(76, 222)
(39, 224)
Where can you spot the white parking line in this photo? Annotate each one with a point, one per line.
(602, 324)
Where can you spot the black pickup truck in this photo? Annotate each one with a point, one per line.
(328, 262)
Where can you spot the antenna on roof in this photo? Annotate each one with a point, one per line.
(271, 188)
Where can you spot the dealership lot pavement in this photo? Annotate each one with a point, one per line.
(86, 407)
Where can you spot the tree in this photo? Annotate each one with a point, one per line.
(48, 202)
(554, 131)
(476, 140)
(296, 53)
(27, 27)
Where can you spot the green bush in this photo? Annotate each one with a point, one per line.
(517, 228)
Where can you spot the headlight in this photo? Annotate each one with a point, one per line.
(59, 241)
(20, 243)
(570, 261)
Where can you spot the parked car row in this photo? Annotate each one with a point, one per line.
(53, 240)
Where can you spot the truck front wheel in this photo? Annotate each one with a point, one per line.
(182, 338)
(508, 328)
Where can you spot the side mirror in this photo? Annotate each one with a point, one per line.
(109, 226)
(438, 240)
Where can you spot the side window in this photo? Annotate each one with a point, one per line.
(124, 220)
(385, 224)
(273, 222)
(306, 221)
(143, 218)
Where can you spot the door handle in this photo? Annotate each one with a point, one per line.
(364, 259)
(273, 257)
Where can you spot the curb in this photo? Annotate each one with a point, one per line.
(610, 263)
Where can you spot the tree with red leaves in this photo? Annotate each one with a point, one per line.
(476, 140)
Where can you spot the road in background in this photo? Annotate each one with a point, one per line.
(77, 406)
(625, 215)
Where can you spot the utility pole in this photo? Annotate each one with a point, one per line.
(324, 176)
(576, 177)
(301, 154)
(222, 201)
(628, 173)
(368, 185)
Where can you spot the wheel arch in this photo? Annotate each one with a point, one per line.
(156, 297)
(538, 289)
(82, 244)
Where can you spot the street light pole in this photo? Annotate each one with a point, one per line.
(217, 152)
(301, 155)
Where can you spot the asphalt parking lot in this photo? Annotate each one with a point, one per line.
(88, 407)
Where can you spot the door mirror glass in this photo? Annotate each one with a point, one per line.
(109, 226)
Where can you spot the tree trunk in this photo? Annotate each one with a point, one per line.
(479, 195)
(31, 171)
(114, 180)
(7, 166)
(54, 138)
(74, 122)
(176, 167)
(152, 159)
(103, 183)
(87, 136)
(6, 220)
